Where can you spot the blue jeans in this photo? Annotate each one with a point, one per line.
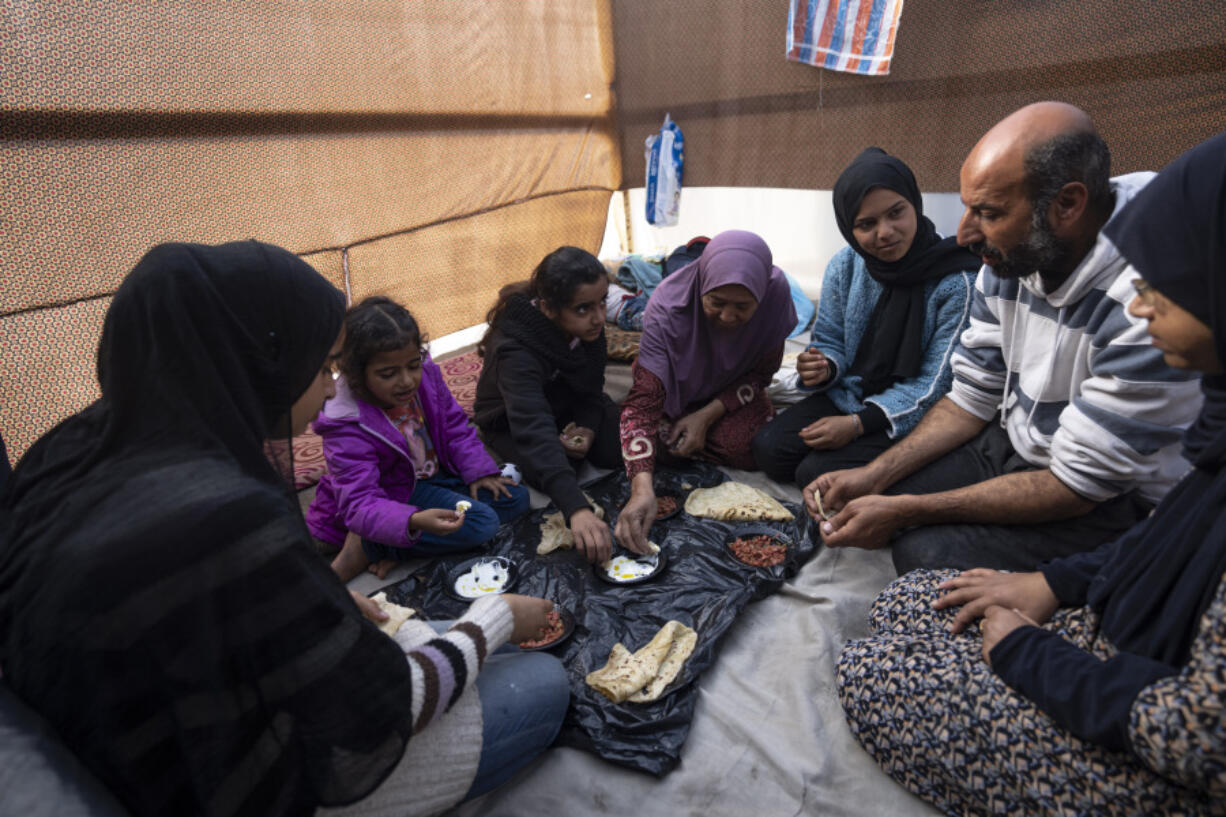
(524, 696)
(480, 522)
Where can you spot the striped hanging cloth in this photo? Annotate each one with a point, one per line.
(844, 35)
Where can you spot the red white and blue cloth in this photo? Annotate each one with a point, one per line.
(844, 35)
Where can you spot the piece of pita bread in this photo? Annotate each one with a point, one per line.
(623, 675)
(678, 653)
(735, 502)
(396, 615)
(556, 535)
(642, 676)
(576, 440)
(609, 679)
(817, 497)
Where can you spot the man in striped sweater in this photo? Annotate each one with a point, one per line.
(1063, 424)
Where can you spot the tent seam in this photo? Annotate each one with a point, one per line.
(343, 248)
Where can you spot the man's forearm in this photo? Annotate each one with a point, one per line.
(1027, 497)
(945, 427)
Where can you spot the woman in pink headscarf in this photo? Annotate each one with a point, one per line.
(713, 336)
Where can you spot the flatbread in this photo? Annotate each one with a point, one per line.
(736, 502)
(817, 497)
(575, 439)
(617, 679)
(642, 676)
(678, 653)
(396, 615)
(556, 535)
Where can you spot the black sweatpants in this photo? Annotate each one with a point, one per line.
(784, 457)
(606, 450)
(1003, 547)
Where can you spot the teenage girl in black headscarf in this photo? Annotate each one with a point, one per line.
(893, 305)
(160, 601)
(1121, 699)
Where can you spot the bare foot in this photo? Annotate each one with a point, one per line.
(351, 561)
(382, 567)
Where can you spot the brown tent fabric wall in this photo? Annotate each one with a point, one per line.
(430, 151)
(1152, 74)
(435, 151)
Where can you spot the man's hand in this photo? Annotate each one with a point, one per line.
(977, 590)
(840, 487)
(813, 367)
(867, 522)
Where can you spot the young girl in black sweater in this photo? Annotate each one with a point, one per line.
(540, 400)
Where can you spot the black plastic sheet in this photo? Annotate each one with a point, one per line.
(704, 587)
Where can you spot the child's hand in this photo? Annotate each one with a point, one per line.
(592, 536)
(496, 484)
(439, 521)
(577, 440)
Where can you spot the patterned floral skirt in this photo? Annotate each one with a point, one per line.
(935, 716)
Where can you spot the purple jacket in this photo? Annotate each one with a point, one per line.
(370, 476)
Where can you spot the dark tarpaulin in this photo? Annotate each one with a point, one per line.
(703, 587)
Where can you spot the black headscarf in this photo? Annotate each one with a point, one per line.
(892, 348)
(1154, 594)
(160, 602)
(207, 346)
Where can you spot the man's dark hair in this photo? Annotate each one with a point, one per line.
(1070, 157)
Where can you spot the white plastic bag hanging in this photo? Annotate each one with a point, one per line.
(665, 160)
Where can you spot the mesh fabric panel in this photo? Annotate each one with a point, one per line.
(81, 211)
(346, 132)
(450, 272)
(331, 265)
(307, 57)
(47, 370)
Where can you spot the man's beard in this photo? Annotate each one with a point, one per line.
(1041, 251)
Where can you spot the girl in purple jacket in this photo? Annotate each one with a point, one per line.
(401, 453)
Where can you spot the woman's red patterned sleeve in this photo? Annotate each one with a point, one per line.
(746, 388)
(642, 412)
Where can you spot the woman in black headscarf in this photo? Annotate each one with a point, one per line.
(893, 304)
(1120, 700)
(160, 601)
